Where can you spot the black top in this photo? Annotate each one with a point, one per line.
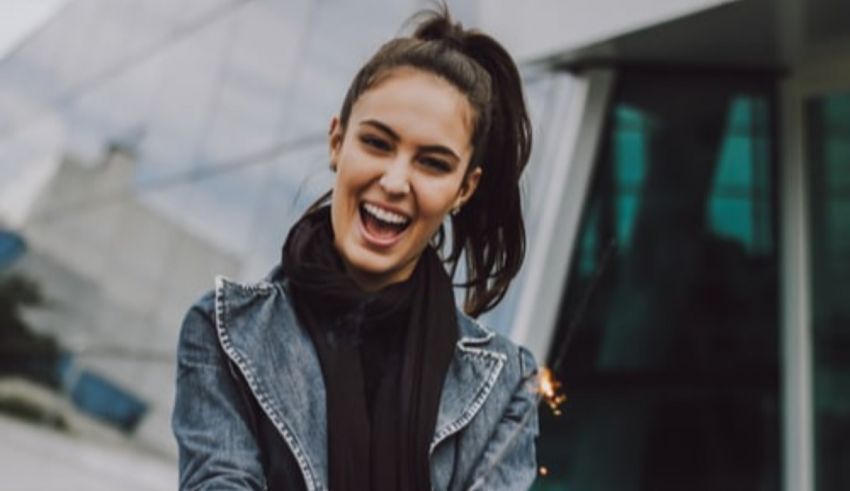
(384, 356)
(381, 357)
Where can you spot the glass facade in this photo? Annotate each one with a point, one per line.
(667, 340)
(828, 137)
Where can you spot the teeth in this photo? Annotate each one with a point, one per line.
(385, 215)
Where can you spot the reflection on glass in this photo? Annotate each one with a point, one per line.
(672, 374)
(828, 134)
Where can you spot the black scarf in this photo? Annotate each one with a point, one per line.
(392, 454)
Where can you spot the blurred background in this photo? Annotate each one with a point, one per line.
(687, 206)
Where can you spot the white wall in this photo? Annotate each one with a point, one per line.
(536, 29)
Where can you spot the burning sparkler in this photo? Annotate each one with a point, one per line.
(548, 391)
(547, 386)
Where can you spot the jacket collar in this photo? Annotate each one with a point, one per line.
(257, 329)
(470, 378)
(280, 367)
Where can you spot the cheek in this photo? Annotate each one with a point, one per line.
(348, 183)
(435, 201)
(356, 167)
(350, 175)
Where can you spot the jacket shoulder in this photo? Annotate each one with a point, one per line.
(205, 304)
(201, 312)
(197, 342)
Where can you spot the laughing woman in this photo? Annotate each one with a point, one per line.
(349, 367)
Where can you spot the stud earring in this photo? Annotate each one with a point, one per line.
(455, 211)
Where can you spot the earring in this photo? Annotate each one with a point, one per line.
(332, 166)
(455, 211)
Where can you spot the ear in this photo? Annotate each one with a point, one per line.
(335, 136)
(468, 187)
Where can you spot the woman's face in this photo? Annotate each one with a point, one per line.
(401, 166)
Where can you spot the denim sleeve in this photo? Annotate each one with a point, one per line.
(510, 461)
(218, 450)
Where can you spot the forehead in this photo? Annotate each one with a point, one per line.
(419, 106)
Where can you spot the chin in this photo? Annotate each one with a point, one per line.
(372, 266)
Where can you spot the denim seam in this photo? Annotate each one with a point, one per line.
(244, 365)
(483, 392)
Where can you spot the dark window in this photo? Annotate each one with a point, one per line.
(828, 135)
(672, 373)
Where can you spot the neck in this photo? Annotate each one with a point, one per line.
(376, 281)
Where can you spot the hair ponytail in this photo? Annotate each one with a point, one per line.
(489, 230)
(490, 227)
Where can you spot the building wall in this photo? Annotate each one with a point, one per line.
(118, 278)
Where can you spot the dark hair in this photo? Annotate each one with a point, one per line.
(489, 229)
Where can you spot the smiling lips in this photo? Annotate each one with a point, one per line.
(382, 227)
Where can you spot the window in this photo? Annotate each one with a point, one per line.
(672, 372)
(828, 135)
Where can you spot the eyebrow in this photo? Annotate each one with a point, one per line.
(441, 149)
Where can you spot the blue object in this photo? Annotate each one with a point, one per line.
(106, 401)
(12, 246)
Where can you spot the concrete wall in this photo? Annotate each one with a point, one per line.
(118, 278)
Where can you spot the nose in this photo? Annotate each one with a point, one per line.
(396, 178)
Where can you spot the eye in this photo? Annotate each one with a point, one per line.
(375, 142)
(436, 164)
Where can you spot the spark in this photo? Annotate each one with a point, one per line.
(548, 390)
(544, 387)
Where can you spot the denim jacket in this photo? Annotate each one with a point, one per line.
(240, 345)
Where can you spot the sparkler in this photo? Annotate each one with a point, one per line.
(548, 391)
(547, 386)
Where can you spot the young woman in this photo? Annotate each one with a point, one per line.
(349, 367)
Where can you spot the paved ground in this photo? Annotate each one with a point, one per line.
(33, 458)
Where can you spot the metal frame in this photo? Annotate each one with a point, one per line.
(810, 79)
(551, 251)
(798, 464)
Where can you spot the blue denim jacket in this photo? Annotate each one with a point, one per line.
(244, 339)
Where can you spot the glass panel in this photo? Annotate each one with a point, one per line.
(828, 134)
(671, 371)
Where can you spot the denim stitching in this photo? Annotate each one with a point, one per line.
(266, 287)
(224, 339)
(483, 392)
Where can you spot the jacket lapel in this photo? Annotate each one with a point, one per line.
(471, 376)
(280, 366)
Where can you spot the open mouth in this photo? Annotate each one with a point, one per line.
(382, 224)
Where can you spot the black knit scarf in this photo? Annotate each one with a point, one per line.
(391, 454)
